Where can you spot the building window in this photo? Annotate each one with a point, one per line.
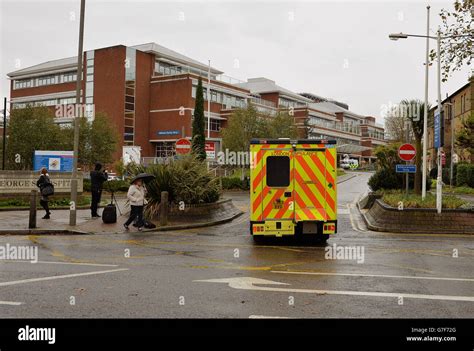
(215, 125)
(69, 77)
(22, 83)
(46, 80)
(165, 149)
(89, 111)
(130, 77)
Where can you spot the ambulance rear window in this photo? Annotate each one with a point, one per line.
(278, 171)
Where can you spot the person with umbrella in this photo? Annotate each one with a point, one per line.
(136, 195)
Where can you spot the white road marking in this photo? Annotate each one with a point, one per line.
(10, 303)
(256, 316)
(248, 283)
(70, 263)
(352, 220)
(343, 211)
(54, 277)
(377, 275)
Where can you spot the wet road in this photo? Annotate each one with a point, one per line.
(220, 272)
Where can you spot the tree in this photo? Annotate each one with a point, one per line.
(387, 156)
(199, 139)
(455, 51)
(98, 140)
(396, 126)
(416, 117)
(281, 126)
(31, 128)
(242, 126)
(465, 137)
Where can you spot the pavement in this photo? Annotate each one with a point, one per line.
(16, 222)
(219, 272)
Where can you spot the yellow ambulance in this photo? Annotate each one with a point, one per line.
(293, 188)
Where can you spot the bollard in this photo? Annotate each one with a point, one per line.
(32, 221)
(164, 208)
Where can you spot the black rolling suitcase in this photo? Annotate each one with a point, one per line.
(109, 214)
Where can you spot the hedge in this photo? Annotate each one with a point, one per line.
(389, 179)
(465, 174)
(234, 183)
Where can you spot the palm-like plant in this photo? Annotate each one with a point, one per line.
(186, 179)
(416, 111)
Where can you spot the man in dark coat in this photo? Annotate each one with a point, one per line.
(98, 177)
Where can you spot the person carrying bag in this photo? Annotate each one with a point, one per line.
(46, 190)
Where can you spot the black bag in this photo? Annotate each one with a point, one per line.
(109, 214)
(149, 225)
(47, 189)
(146, 224)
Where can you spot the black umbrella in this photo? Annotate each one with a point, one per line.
(146, 177)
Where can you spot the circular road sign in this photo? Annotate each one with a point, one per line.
(183, 146)
(407, 152)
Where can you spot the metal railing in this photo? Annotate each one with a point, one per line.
(164, 70)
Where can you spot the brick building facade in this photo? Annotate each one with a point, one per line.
(148, 91)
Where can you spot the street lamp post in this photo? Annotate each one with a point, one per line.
(72, 212)
(439, 180)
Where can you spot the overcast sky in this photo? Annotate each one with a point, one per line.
(337, 49)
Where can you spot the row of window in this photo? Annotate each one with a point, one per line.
(90, 77)
(339, 140)
(129, 117)
(167, 69)
(345, 126)
(49, 102)
(45, 80)
(375, 133)
(227, 100)
(283, 102)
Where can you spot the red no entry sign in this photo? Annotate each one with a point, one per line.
(183, 146)
(407, 152)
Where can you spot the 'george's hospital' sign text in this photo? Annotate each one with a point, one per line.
(22, 182)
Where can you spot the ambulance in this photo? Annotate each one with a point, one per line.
(293, 188)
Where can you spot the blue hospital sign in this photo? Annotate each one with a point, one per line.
(53, 161)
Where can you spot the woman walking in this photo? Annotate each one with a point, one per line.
(42, 183)
(136, 196)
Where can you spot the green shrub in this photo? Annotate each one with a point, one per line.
(465, 174)
(234, 183)
(116, 185)
(185, 179)
(446, 171)
(414, 201)
(87, 185)
(384, 179)
(389, 179)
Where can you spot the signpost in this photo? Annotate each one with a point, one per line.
(437, 129)
(53, 161)
(405, 168)
(183, 146)
(406, 152)
(168, 132)
(210, 149)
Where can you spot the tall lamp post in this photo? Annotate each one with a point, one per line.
(438, 38)
(72, 212)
